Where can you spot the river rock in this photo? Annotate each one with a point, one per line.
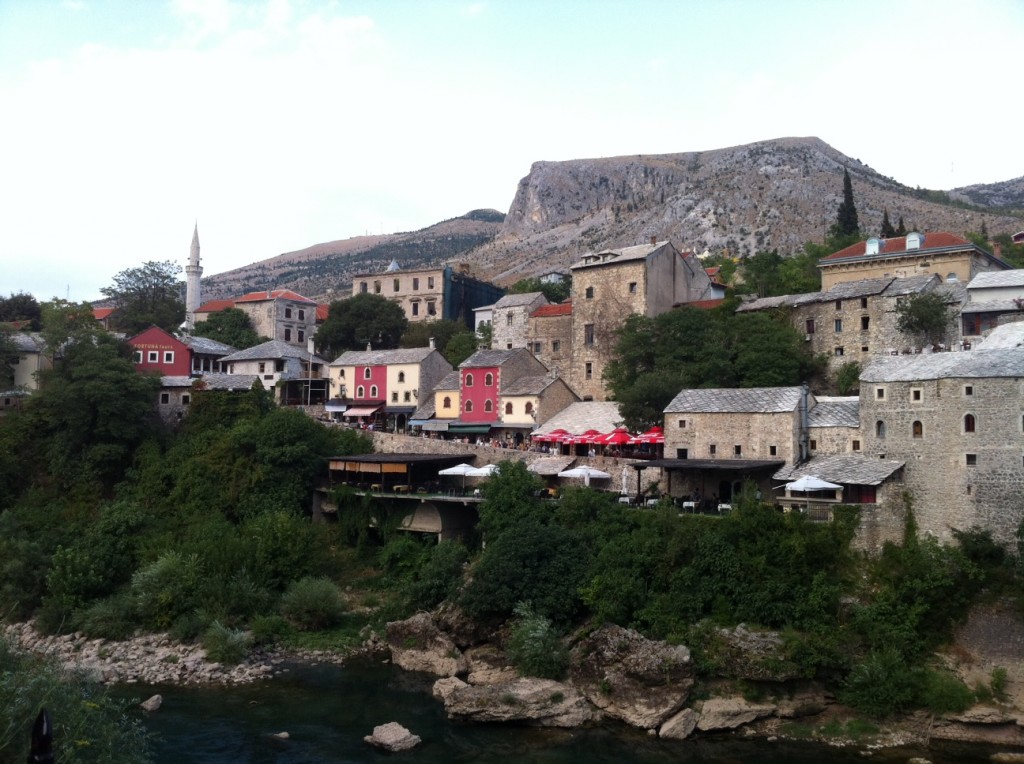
(679, 726)
(464, 630)
(630, 677)
(730, 713)
(540, 702)
(445, 686)
(757, 656)
(983, 715)
(393, 737)
(488, 665)
(417, 644)
(804, 704)
(152, 704)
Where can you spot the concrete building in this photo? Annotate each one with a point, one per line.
(612, 284)
(946, 255)
(430, 294)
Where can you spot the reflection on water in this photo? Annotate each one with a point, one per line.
(326, 711)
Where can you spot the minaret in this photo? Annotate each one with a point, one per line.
(192, 273)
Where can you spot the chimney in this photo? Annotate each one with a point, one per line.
(654, 240)
(431, 344)
(997, 249)
(369, 346)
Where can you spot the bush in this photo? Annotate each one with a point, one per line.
(943, 693)
(881, 685)
(534, 647)
(167, 588)
(225, 645)
(269, 629)
(112, 618)
(439, 575)
(313, 603)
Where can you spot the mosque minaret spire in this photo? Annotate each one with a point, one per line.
(192, 290)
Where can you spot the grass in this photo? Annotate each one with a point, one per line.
(344, 636)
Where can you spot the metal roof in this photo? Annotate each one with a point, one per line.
(759, 400)
(976, 364)
(846, 469)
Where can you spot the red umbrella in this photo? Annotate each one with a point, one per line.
(618, 437)
(586, 437)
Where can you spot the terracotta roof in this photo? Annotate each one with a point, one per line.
(321, 312)
(215, 305)
(898, 245)
(100, 313)
(275, 294)
(556, 309)
(703, 304)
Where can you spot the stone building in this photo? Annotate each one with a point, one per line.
(833, 426)
(993, 299)
(957, 420)
(549, 336)
(948, 256)
(855, 320)
(510, 318)
(612, 284)
(430, 294)
(278, 314)
(295, 375)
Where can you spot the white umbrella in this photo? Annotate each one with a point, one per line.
(811, 483)
(486, 471)
(586, 472)
(459, 469)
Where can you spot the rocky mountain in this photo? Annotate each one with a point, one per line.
(775, 194)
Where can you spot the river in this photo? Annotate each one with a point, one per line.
(326, 711)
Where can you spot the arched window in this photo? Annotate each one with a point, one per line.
(366, 373)
(917, 429)
(360, 392)
(447, 403)
(488, 405)
(469, 380)
(489, 380)
(401, 376)
(969, 423)
(529, 407)
(880, 429)
(373, 391)
(508, 408)
(469, 406)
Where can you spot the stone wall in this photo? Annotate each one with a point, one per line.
(553, 335)
(835, 440)
(510, 326)
(754, 433)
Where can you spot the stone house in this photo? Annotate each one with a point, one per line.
(510, 318)
(993, 299)
(833, 426)
(855, 320)
(386, 384)
(296, 375)
(430, 294)
(610, 285)
(549, 336)
(174, 397)
(278, 314)
(946, 255)
(957, 420)
(206, 354)
(528, 402)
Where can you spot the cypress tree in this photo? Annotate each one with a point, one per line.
(901, 230)
(846, 219)
(887, 231)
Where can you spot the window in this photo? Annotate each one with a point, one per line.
(588, 370)
(556, 345)
(415, 283)
(839, 304)
(529, 408)
(407, 396)
(401, 376)
(341, 373)
(415, 308)
(856, 445)
(537, 347)
(508, 409)
(969, 423)
(917, 429)
(682, 424)
(488, 380)
(589, 293)
(508, 345)
(488, 406)
(968, 390)
(469, 380)
(301, 335)
(864, 303)
(588, 334)
(153, 356)
(261, 367)
(396, 284)
(138, 356)
(737, 450)
(865, 322)
(809, 326)
(469, 406)
(879, 429)
(814, 444)
(362, 287)
(366, 372)
(431, 308)
(712, 449)
(394, 396)
(863, 348)
(508, 318)
(360, 392)
(879, 393)
(915, 395)
(287, 335)
(302, 315)
(632, 287)
(773, 450)
(279, 366)
(682, 453)
(165, 398)
(839, 351)
(971, 460)
(373, 391)
(447, 402)
(287, 312)
(376, 287)
(430, 282)
(839, 325)
(186, 399)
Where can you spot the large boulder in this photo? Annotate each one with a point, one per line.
(392, 737)
(679, 726)
(488, 665)
(630, 677)
(417, 644)
(755, 655)
(540, 702)
(730, 713)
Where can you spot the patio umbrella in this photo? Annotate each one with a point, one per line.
(459, 469)
(811, 483)
(617, 437)
(586, 472)
(486, 471)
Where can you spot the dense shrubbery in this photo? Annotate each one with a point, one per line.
(313, 603)
(535, 647)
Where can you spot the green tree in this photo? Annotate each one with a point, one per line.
(847, 224)
(230, 326)
(356, 321)
(887, 231)
(767, 274)
(21, 307)
(150, 295)
(460, 347)
(926, 316)
(555, 291)
(419, 333)
(9, 355)
(760, 274)
(901, 229)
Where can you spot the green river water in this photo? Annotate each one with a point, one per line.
(326, 711)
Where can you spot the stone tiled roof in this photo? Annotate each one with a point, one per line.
(609, 256)
(992, 306)
(844, 469)
(489, 358)
(271, 350)
(851, 290)
(426, 409)
(208, 346)
(28, 343)
(527, 385)
(603, 416)
(518, 300)
(991, 279)
(176, 381)
(977, 364)
(551, 465)
(229, 381)
(835, 412)
(382, 357)
(749, 400)
(1005, 336)
(450, 381)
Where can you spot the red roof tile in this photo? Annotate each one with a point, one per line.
(215, 305)
(322, 311)
(702, 304)
(557, 309)
(276, 294)
(899, 245)
(100, 313)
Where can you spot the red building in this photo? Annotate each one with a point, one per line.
(482, 375)
(157, 351)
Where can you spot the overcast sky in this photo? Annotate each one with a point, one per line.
(280, 124)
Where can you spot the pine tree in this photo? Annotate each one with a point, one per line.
(887, 231)
(846, 218)
(901, 230)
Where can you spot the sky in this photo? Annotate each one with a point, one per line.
(278, 124)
